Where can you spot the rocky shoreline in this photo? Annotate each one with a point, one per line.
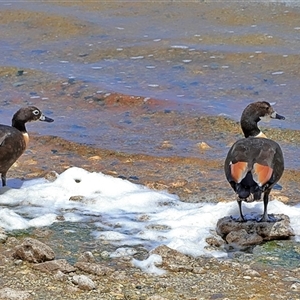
(93, 275)
(30, 271)
(194, 179)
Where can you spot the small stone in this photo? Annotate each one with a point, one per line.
(84, 282)
(3, 237)
(105, 254)
(204, 146)
(51, 176)
(95, 157)
(76, 198)
(20, 72)
(251, 273)
(17, 84)
(295, 287)
(60, 276)
(213, 241)
(166, 145)
(87, 257)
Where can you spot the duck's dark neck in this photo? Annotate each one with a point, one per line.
(250, 127)
(20, 125)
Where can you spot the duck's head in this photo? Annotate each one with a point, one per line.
(29, 114)
(255, 112)
(261, 110)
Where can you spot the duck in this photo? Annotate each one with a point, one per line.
(254, 164)
(14, 139)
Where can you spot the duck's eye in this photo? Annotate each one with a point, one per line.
(36, 112)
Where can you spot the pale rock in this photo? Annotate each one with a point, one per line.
(84, 282)
(204, 146)
(295, 287)
(34, 251)
(87, 257)
(173, 260)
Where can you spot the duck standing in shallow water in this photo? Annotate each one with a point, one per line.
(254, 164)
(14, 139)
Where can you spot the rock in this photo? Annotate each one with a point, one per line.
(84, 282)
(55, 265)
(173, 260)
(93, 268)
(214, 242)
(87, 257)
(295, 287)
(244, 234)
(243, 238)
(251, 273)
(204, 146)
(51, 176)
(10, 294)
(34, 251)
(3, 236)
(60, 276)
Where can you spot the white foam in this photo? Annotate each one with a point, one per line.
(125, 213)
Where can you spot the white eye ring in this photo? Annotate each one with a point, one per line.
(36, 112)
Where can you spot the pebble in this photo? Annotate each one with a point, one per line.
(204, 146)
(295, 287)
(251, 273)
(3, 237)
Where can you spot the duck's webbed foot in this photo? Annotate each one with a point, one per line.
(238, 219)
(268, 218)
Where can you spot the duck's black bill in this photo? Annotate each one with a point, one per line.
(46, 119)
(279, 117)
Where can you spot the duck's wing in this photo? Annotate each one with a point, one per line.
(3, 137)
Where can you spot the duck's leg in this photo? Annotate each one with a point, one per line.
(241, 217)
(3, 178)
(265, 217)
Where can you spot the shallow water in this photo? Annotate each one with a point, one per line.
(210, 58)
(201, 58)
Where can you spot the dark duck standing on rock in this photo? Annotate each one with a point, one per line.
(14, 139)
(254, 164)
